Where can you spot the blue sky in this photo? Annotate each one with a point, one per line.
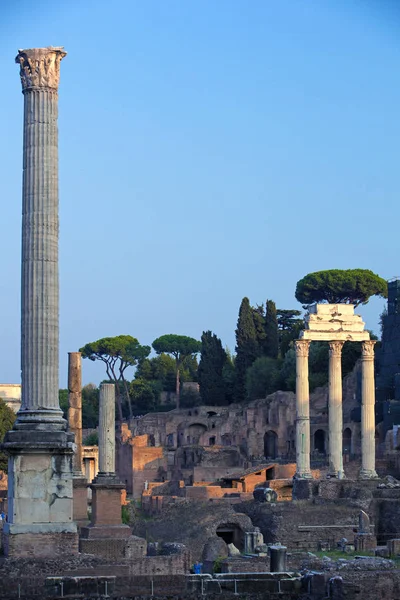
(208, 151)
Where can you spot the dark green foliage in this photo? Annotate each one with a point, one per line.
(7, 418)
(288, 318)
(271, 344)
(182, 348)
(118, 353)
(262, 377)
(210, 372)
(259, 327)
(91, 440)
(161, 368)
(229, 377)
(190, 398)
(247, 349)
(145, 394)
(351, 286)
(289, 327)
(90, 406)
(63, 400)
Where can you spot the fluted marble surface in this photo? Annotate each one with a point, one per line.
(303, 470)
(107, 429)
(39, 70)
(335, 410)
(367, 411)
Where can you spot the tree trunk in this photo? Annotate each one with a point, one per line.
(127, 397)
(177, 387)
(118, 400)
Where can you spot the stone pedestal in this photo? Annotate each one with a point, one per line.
(335, 410)
(303, 470)
(393, 547)
(365, 542)
(367, 411)
(39, 447)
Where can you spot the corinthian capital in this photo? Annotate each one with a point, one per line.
(367, 349)
(335, 348)
(302, 348)
(40, 67)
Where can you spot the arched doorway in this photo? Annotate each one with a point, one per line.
(319, 441)
(231, 534)
(347, 441)
(270, 444)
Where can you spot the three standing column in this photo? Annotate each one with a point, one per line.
(367, 411)
(335, 410)
(303, 470)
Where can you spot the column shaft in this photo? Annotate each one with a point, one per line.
(367, 411)
(107, 429)
(302, 411)
(75, 407)
(335, 410)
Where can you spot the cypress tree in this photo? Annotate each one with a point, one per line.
(247, 348)
(271, 344)
(259, 326)
(210, 371)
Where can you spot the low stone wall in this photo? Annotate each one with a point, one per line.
(243, 564)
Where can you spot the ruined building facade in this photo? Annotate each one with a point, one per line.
(209, 443)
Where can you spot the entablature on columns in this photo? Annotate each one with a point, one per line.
(333, 322)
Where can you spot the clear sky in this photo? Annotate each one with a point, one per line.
(208, 151)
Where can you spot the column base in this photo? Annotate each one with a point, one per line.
(336, 475)
(368, 474)
(80, 498)
(25, 541)
(303, 475)
(106, 500)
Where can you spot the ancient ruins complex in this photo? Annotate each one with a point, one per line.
(220, 485)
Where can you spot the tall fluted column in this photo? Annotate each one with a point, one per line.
(40, 449)
(75, 407)
(40, 71)
(335, 410)
(107, 429)
(303, 470)
(367, 411)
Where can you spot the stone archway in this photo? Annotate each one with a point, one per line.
(347, 441)
(319, 441)
(270, 444)
(231, 533)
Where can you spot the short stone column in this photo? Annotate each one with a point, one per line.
(303, 470)
(367, 411)
(335, 410)
(107, 429)
(106, 487)
(75, 426)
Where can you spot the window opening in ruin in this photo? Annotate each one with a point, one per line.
(319, 441)
(212, 441)
(347, 441)
(270, 444)
(270, 474)
(213, 426)
(211, 413)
